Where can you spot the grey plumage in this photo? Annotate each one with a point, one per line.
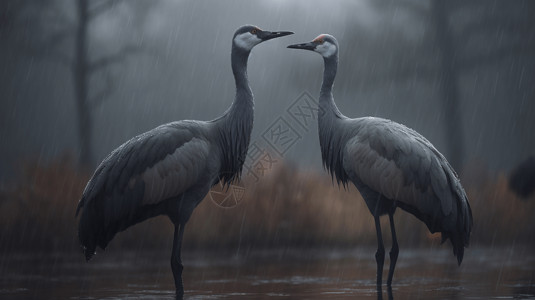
(170, 169)
(391, 166)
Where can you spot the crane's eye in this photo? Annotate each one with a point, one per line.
(253, 31)
(321, 42)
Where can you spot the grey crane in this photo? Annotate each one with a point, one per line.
(391, 166)
(170, 169)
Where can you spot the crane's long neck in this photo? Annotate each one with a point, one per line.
(330, 121)
(327, 105)
(236, 124)
(239, 58)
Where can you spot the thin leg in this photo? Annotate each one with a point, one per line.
(379, 293)
(393, 252)
(380, 254)
(176, 261)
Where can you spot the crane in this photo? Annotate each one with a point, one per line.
(391, 165)
(170, 169)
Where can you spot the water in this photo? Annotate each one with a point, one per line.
(282, 274)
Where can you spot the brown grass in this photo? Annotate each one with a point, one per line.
(286, 208)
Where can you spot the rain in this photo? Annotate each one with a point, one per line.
(78, 78)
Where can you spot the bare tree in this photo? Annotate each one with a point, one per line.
(463, 36)
(83, 69)
(448, 83)
(47, 31)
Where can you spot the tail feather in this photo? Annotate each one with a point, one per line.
(93, 231)
(460, 235)
(457, 244)
(101, 219)
(457, 228)
(87, 232)
(458, 248)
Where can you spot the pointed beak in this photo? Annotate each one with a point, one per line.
(267, 35)
(304, 46)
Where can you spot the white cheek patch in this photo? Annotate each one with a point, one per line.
(326, 49)
(246, 40)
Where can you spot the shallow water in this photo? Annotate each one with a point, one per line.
(507, 273)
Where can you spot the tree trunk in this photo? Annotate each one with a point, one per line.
(449, 85)
(80, 70)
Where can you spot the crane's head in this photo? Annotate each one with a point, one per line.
(248, 36)
(324, 44)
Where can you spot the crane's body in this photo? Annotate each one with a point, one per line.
(170, 169)
(172, 165)
(391, 165)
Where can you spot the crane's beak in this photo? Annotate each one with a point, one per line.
(268, 35)
(305, 46)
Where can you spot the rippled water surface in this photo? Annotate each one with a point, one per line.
(286, 274)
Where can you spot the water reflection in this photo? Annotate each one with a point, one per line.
(388, 291)
(303, 274)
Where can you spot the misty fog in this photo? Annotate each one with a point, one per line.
(388, 68)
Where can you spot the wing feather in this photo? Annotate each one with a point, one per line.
(146, 170)
(400, 164)
(172, 175)
(403, 166)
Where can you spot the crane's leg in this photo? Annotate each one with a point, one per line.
(176, 261)
(380, 254)
(393, 252)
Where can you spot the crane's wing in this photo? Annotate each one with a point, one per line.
(144, 171)
(403, 166)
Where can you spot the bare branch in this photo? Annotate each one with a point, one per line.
(46, 50)
(115, 58)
